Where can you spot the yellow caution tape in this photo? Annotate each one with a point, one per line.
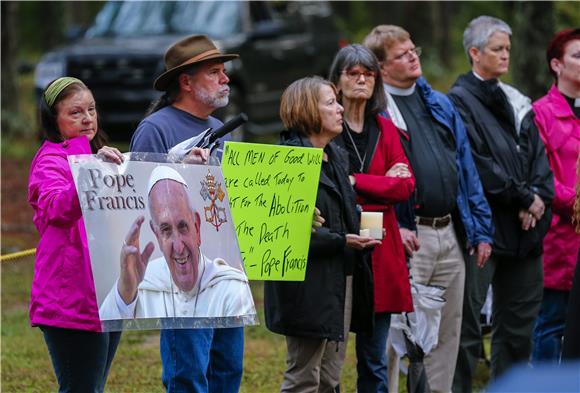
(16, 255)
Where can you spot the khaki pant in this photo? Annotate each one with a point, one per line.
(314, 365)
(440, 262)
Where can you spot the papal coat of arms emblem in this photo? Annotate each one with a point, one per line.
(212, 192)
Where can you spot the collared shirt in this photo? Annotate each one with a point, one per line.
(514, 104)
(574, 104)
(477, 76)
(432, 157)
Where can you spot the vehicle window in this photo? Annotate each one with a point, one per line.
(216, 19)
(103, 20)
(142, 18)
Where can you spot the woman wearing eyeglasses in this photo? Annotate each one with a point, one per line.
(381, 177)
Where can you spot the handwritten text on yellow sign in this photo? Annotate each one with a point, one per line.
(272, 192)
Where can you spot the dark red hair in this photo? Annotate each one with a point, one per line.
(558, 45)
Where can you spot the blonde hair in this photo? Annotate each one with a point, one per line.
(383, 37)
(299, 105)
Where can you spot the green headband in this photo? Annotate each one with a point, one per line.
(56, 87)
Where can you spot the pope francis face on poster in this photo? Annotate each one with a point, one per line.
(176, 226)
(183, 282)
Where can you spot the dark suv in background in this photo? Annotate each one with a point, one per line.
(121, 54)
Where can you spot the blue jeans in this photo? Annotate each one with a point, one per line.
(202, 360)
(81, 359)
(371, 357)
(549, 328)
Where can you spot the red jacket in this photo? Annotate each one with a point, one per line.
(378, 193)
(560, 131)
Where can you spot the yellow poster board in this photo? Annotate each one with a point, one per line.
(272, 192)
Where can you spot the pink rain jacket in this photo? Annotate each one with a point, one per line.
(63, 293)
(560, 131)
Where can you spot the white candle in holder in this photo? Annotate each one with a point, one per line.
(364, 232)
(373, 221)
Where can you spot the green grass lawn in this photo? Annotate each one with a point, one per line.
(26, 365)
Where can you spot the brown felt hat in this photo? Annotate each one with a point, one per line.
(184, 53)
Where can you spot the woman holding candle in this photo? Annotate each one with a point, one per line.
(372, 223)
(314, 314)
(381, 177)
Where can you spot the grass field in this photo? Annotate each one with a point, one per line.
(25, 363)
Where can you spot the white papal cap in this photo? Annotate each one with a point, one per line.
(164, 173)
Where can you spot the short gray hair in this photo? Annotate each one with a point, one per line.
(477, 33)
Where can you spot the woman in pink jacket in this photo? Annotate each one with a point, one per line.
(63, 302)
(557, 116)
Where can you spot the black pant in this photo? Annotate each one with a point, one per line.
(517, 285)
(571, 345)
(81, 359)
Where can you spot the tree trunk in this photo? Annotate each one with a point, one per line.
(9, 65)
(533, 27)
(53, 29)
(418, 22)
(447, 10)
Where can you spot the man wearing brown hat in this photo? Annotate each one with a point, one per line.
(194, 86)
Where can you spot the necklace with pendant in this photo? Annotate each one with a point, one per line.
(360, 159)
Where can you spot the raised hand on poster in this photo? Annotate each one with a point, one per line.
(197, 156)
(133, 262)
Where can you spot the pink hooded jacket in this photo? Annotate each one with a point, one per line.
(63, 292)
(560, 131)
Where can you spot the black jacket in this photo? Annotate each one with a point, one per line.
(512, 166)
(315, 307)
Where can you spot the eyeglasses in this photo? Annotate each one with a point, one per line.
(355, 75)
(408, 54)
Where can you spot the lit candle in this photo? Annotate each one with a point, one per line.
(373, 221)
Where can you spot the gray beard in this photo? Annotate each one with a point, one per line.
(212, 101)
